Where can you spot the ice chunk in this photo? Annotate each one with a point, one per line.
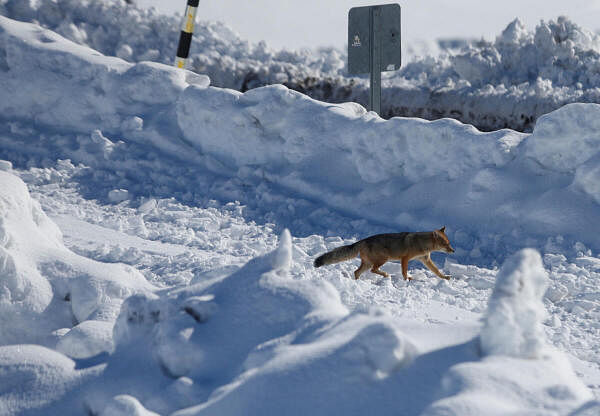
(118, 195)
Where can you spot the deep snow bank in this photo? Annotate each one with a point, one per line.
(404, 173)
(509, 82)
(409, 173)
(136, 34)
(45, 289)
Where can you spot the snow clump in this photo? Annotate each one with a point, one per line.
(513, 322)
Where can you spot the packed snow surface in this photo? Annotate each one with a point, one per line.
(146, 265)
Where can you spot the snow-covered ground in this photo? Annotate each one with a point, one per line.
(145, 265)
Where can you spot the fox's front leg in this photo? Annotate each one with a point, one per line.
(376, 266)
(431, 266)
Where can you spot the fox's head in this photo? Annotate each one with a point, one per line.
(441, 241)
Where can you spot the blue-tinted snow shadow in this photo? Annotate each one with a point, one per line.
(420, 383)
(145, 172)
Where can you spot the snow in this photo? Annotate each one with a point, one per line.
(87, 339)
(508, 82)
(124, 405)
(40, 274)
(466, 388)
(33, 377)
(412, 177)
(157, 236)
(513, 322)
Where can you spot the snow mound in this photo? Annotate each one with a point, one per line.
(231, 341)
(124, 405)
(43, 285)
(34, 377)
(513, 322)
(509, 82)
(87, 339)
(501, 386)
(400, 174)
(23, 287)
(513, 341)
(113, 91)
(550, 148)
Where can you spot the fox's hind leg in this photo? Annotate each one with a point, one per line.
(362, 268)
(376, 266)
(405, 268)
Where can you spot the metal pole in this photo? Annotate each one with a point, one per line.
(375, 60)
(185, 38)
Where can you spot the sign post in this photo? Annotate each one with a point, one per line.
(374, 45)
(187, 30)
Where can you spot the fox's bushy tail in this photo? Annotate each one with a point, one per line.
(338, 254)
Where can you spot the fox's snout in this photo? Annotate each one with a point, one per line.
(449, 249)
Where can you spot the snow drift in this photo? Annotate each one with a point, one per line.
(508, 82)
(404, 173)
(44, 287)
(259, 341)
(240, 337)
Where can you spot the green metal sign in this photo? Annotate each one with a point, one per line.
(374, 45)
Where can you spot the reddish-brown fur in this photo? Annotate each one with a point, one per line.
(376, 250)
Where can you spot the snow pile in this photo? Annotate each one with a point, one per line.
(580, 156)
(260, 339)
(501, 386)
(513, 328)
(24, 289)
(513, 322)
(404, 173)
(134, 34)
(45, 289)
(109, 92)
(229, 343)
(506, 83)
(510, 82)
(34, 377)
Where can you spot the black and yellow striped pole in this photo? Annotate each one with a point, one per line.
(185, 39)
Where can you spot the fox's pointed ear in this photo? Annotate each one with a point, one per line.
(443, 229)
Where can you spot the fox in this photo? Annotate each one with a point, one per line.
(377, 249)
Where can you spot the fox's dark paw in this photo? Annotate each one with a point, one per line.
(447, 277)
